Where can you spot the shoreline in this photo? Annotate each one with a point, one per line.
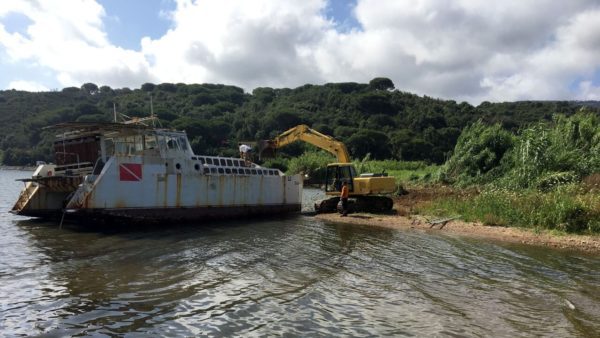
(583, 243)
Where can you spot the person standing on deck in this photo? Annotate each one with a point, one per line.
(244, 149)
(344, 197)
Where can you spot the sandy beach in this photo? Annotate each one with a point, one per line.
(585, 243)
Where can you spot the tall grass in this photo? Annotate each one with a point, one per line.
(566, 209)
(532, 179)
(542, 156)
(314, 163)
(404, 172)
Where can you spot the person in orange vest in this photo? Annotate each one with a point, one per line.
(344, 196)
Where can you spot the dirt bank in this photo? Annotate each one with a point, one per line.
(590, 244)
(404, 218)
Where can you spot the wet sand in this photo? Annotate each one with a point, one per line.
(585, 243)
(407, 215)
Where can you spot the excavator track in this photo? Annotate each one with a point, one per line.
(372, 204)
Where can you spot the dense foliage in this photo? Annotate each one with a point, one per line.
(541, 156)
(547, 175)
(370, 118)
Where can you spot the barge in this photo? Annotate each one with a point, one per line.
(137, 173)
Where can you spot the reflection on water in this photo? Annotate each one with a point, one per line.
(293, 276)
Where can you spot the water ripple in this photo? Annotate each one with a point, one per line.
(291, 276)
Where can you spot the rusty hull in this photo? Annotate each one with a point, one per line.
(182, 195)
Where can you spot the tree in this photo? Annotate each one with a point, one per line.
(87, 109)
(369, 142)
(148, 87)
(375, 103)
(381, 83)
(280, 121)
(106, 90)
(167, 87)
(89, 88)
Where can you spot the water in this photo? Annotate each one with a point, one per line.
(294, 276)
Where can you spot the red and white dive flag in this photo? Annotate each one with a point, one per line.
(130, 172)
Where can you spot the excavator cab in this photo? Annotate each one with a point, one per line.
(336, 174)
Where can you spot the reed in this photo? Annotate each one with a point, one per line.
(545, 176)
(567, 209)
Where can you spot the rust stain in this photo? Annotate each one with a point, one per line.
(244, 192)
(261, 189)
(221, 186)
(284, 189)
(120, 204)
(178, 191)
(235, 184)
(156, 188)
(166, 190)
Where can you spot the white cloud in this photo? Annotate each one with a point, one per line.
(465, 50)
(68, 38)
(30, 86)
(248, 43)
(587, 91)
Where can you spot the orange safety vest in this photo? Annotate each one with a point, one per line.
(344, 193)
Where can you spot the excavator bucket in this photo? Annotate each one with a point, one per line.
(266, 149)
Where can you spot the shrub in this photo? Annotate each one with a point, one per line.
(313, 164)
(479, 150)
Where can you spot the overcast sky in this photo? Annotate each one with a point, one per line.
(455, 49)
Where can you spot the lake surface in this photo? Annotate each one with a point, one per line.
(295, 276)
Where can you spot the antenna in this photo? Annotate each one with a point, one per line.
(115, 111)
(151, 107)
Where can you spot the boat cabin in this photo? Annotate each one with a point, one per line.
(83, 148)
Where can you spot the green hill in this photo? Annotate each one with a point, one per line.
(370, 118)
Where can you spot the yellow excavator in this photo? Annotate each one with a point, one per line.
(366, 190)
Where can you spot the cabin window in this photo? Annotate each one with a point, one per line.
(201, 159)
(247, 171)
(206, 170)
(160, 140)
(221, 171)
(109, 146)
(128, 145)
(230, 163)
(209, 160)
(227, 170)
(172, 143)
(223, 162)
(253, 171)
(183, 144)
(213, 170)
(197, 167)
(150, 142)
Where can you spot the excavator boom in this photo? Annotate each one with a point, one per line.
(304, 133)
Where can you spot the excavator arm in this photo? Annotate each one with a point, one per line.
(365, 191)
(304, 133)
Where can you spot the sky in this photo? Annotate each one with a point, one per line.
(464, 50)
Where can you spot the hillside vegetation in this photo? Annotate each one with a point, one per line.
(545, 176)
(371, 118)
